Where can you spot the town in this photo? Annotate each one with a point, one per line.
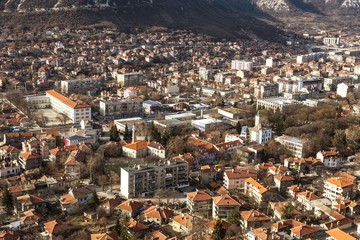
(164, 134)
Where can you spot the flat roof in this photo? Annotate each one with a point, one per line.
(279, 100)
(180, 115)
(233, 110)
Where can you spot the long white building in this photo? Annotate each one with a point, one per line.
(76, 111)
(75, 85)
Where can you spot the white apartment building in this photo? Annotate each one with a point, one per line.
(276, 103)
(330, 159)
(76, 85)
(338, 187)
(298, 84)
(343, 89)
(205, 72)
(121, 108)
(76, 111)
(294, 145)
(241, 65)
(331, 41)
(145, 180)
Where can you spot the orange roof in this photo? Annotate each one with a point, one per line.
(30, 155)
(340, 181)
(257, 185)
(225, 201)
(53, 227)
(211, 224)
(130, 205)
(138, 145)
(339, 234)
(104, 236)
(303, 230)
(136, 226)
(158, 212)
(66, 100)
(198, 196)
(236, 173)
(283, 178)
(185, 220)
(254, 216)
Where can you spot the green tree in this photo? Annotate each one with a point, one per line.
(219, 232)
(117, 227)
(287, 211)
(7, 200)
(127, 133)
(238, 127)
(114, 134)
(121, 228)
(234, 217)
(94, 199)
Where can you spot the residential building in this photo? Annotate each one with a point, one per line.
(310, 200)
(223, 205)
(207, 174)
(156, 149)
(73, 110)
(205, 72)
(182, 223)
(331, 41)
(9, 153)
(283, 182)
(259, 192)
(130, 208)
(253, 219)
(241, 65)
(210, 227)
(30, 160)
(235, 178)
(74, 163)
(105, 236)
(266, 90)
(121, 108)
(145, 180)
(80, 85)
(158, 215)
(199, 202)
(137, 149)
(28, 202)
(343, 89)
(126, 79)
(338, 187)
(294, 145)
(330, 159)
(75, 200)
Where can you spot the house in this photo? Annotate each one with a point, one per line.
(158, 214)
(8, 235)
(223, 205)
(210, 226)
(235, 178)
(199, 202)
(30, 160)
(338, 187)
(343, 89)
(278, 208)
(31, 217)
(53, 228)
(258, 191)
(253, 219)
(305, 232)
(130, 208)
(283, 182)
(27, 202)
(309, 200)
(105, 236)
(75, 199)
(136, 229)
(207, 174)
(9, 153)
(109, 204)
(331, 159)
(74, 163)
(337, 234)
(182, 223)
(137, 149)
(156, 149)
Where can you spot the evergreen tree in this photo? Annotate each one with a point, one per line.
(238, 127)
(7, 200)
(117, 227)
(127, 133)
(94, 199)
(114, 134)
(234, 217)
(219, 232)
(287, 211)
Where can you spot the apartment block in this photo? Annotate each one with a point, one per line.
(121, 108)
(77, 85)
(126, 79)
(145, 180)
(294, 145)
(338, 187)
(76, 111)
